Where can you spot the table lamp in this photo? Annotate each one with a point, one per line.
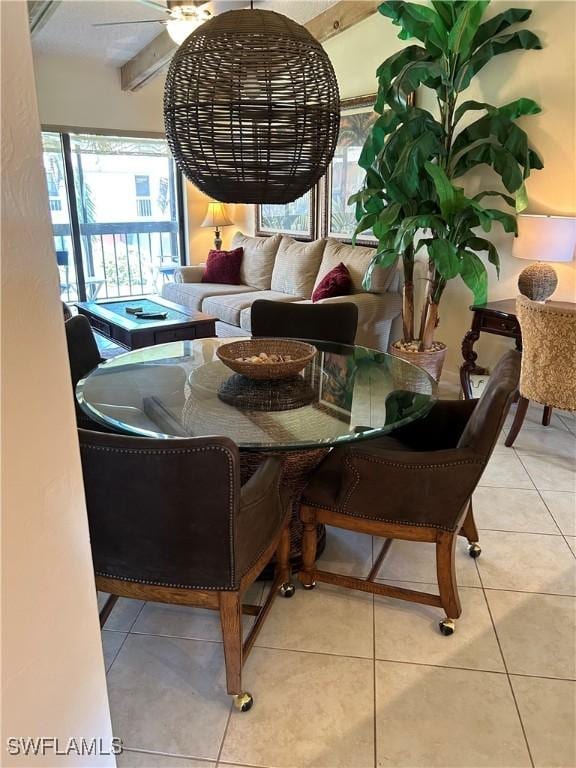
(543, 239)
(217, 216)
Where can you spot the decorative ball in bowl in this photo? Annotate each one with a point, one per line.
(266, 358)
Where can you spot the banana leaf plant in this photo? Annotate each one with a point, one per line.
(413, 159)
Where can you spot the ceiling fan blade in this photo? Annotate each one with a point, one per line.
(118, 23)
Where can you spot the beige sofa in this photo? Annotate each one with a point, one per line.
(282, 269)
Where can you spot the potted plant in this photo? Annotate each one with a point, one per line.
(413, 158)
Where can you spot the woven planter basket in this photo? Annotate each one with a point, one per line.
(300, 352)
(431, 361)
(251, 108)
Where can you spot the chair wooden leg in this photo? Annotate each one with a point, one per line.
(521, 409)
(447, 585)
(283, 573)
(308, 555)
(469, 530)
(546, 415)
(231, 621)
(107, 609)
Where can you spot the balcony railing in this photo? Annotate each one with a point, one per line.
(119, 258)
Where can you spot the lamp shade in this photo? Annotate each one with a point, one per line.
(251, 108)
(545, 238)
(216, 216)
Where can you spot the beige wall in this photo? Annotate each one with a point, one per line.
(84, 94)
(53, 681)
(549, 77)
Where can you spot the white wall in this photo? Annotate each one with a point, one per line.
(549, 77)
(52, 666)
(85, 94)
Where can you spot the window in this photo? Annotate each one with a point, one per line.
(143, 206)
(117, 181)
(142, 186)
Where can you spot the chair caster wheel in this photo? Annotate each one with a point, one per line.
(447, 627)
(287, 590)
(243, 701)
(309, 586)
(474, 549)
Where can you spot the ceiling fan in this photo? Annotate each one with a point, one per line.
(184, 17)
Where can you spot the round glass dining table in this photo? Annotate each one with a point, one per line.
(182, 389)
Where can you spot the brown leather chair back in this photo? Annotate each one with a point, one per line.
(84, 356)
(320, 322)
(83, 351)
(162, 512)
(484, 425)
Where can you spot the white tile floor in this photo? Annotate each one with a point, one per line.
(341, 679)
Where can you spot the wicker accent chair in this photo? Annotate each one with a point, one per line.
(548, 355)
(169, 522)
(416, 485)
(320, 322)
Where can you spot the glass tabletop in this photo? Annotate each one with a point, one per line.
(182, 389)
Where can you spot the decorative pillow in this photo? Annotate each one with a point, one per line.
(223, 267)
(296, 266)
(336, 283)
(357, 258)
(258, 261)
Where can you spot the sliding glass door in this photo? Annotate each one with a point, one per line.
(115, 204)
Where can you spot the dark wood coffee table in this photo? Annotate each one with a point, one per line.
(111, 320)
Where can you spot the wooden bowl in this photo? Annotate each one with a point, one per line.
(300, 353)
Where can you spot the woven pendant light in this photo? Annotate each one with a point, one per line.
(251, 108)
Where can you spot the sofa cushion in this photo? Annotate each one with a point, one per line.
(223, 267)
(336, 283)
(191, 295)
(296, 266)
(258, 261)
(229, 308)
(357, 258)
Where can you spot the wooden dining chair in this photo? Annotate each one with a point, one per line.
(548, 354)
(315, 322)
(170, 523)
(415, 485)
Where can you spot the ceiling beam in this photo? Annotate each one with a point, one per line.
(339, 17)
(148, 62)
(39, 11)
(153, 58)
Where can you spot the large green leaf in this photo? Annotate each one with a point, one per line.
(481, 244)
(494, 193)
(498, 122)
(366, 222)
(466, 26)
(498, 23)
(450, 198)
(502, 161)
(474, 274)
(417, 21)
(522, 40)
(444, 254)
(412, 76)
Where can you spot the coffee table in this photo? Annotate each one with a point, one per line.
(181, 324)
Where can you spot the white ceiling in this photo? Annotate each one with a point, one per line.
(69, 31)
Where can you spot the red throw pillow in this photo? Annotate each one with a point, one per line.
(223, 267)
(336, 283)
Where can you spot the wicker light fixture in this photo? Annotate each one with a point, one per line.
(251, 108)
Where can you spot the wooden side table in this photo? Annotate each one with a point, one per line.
(496, 317)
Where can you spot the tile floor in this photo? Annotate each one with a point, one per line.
(344, 680)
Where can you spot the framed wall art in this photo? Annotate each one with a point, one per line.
(344, 176)
(297, 219)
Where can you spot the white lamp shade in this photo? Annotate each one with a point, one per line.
(216, 216)
(545, 238)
